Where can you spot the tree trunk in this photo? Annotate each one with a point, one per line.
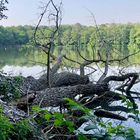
(54, 96)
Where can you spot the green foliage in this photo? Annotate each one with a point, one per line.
(55, 124)
(99, 128)
(22, 131)
(9, 87)
(75, 106)
(120, 131)
(127, 102)
(82, 137)
(5, 126)
(55, 119)
(10, 131)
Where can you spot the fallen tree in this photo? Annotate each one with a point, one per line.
(69, 85)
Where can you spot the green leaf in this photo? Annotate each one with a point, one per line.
(111, 130)
(58, 115)
(136, 111)
(47, 116)
(102, 124)
(75, 106)
(58, 122)
(82, 137)
(36, 108)
(131, 131)
(90, 127)
(58, 119)
(129, 104)
(85, 117)
(110, 123)
(70, 125)
(120, 127)
(70, 102)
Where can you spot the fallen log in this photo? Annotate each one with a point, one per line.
(57, 80)
(68, 79)
(54, 96)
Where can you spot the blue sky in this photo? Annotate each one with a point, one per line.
(26, 12)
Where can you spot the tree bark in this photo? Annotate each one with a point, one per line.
(54, 96)
(56, 80)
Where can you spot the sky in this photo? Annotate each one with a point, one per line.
(26, 12)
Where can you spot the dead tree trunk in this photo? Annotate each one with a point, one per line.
(56, 80)
(54, 96)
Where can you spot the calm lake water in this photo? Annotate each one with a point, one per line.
(25, 71)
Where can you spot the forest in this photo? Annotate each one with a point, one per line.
(63, 104)
(123, 37)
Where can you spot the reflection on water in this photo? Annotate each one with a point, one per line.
(12, 56)
(21, 57)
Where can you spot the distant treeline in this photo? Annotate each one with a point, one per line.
(124, 37)
(13, 36)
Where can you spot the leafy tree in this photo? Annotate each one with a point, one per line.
(3, 8)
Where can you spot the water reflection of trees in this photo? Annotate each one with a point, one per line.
(17, 56)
